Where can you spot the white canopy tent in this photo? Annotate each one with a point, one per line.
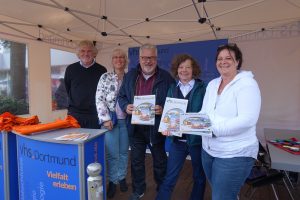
(130, 23)
(268, 32)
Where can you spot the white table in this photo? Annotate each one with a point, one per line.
(280, 159)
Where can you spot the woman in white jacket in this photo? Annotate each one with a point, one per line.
(113, 118)
(233, 103)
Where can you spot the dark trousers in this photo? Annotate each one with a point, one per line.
(177, 155)
(138, 145)
(86, 120)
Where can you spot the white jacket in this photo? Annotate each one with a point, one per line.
(234, 114)
(106, 95)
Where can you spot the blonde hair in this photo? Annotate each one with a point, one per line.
(122, 52)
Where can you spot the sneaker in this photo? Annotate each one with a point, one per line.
(111, 191)
(136, 196)
(123, 185)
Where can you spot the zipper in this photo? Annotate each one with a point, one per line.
(152, 129)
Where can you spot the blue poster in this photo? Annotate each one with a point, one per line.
(13, 166)
(47, 170)
(204, 52)
(1, 168)
(8, 167)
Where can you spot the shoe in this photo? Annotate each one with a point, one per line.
(136, 196)
(123, 185)
(111, 191)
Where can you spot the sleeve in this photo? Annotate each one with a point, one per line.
(101, 105)
(248, 102)
(170, 84)
(123, 98)
(67, 80)
(206, 100)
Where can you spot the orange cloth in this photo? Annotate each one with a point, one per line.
(26, 121)
(69, 122)
(8, 120)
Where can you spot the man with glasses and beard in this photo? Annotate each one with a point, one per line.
(146, 79)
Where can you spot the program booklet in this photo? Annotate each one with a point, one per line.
(73, 137)
(170, 119)
(143, 112)
(196, 124)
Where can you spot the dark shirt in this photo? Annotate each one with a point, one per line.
(81, 85)
(143, 86)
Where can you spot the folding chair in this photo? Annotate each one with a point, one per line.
(262, 175)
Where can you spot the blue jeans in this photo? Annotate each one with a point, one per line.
(116, 146)
(226, 175)
(177, 155)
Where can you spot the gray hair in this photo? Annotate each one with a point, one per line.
(89, 44)
(148, 46)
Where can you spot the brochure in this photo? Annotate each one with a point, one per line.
(73, 137)
(143, 113)
(171, 115)
(196, 124)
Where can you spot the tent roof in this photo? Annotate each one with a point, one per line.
(133, 22)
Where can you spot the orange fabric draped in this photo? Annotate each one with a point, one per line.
(68, 122)
(26, 121)
(8, 120)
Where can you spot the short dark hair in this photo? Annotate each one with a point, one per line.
(234, 48)
(177, 60)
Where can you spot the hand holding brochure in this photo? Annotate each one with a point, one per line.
(196, 124)
(143, 110)
(171, 115)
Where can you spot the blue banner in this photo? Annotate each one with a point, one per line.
(94, 152)
(12, 166)
(1, 168)
(8, 167)
(47, 170)
(204, 52)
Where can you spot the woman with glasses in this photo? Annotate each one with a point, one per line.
(190, 87)
(112, 118)
(233, 103)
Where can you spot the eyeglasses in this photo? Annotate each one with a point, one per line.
(118, 57)
(227, 59)
(146, 58)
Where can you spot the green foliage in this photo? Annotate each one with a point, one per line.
(5, 43)
(14, 106)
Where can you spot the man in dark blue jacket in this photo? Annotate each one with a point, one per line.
(146, 79)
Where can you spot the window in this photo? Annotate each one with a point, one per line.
(13, 78)
(59, 62)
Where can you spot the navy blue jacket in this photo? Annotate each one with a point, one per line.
(160, 88)
(194, 105)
